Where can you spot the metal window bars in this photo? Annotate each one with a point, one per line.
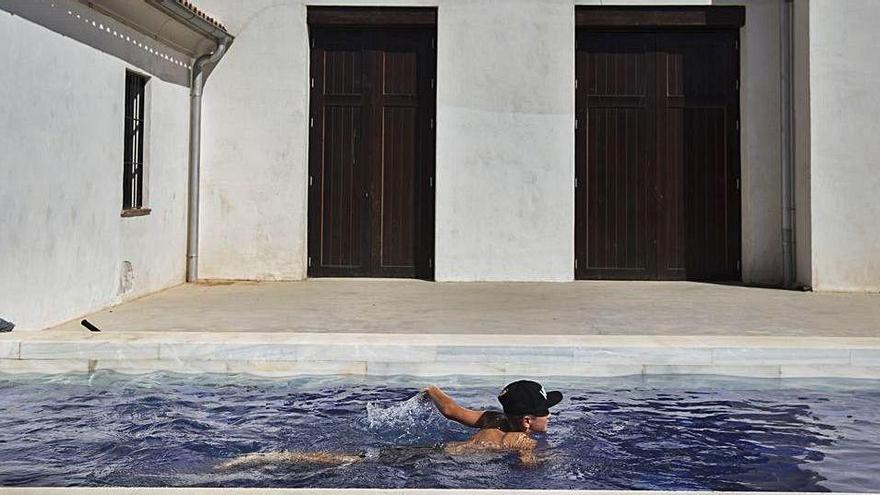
(133, 160)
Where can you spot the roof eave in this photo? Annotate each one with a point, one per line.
(188, 17)
(167, 21)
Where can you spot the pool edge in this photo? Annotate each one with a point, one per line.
(297, 354)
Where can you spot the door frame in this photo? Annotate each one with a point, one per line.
(390, 18)
(659, 17)
(658, 20)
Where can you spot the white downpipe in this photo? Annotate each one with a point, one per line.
(197, 84)
(786, 38)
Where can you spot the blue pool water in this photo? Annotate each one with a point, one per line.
(671, 433)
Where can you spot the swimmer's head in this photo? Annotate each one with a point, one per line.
(529, 423)
(527, 406)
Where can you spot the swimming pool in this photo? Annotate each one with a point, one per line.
(668, 433)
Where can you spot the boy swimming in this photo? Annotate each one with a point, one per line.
(526, 409)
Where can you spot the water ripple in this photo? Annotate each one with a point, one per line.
(161, 429)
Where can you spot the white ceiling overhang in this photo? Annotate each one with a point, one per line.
(176, 24)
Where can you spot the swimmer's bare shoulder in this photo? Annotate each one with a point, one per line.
(495, 440)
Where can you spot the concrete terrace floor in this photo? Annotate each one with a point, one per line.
(418, 307)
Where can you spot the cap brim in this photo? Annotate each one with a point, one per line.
(553, 398)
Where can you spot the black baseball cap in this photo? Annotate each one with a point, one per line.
(525, 397)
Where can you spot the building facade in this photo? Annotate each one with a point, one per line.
(70, 244)
(454, 140)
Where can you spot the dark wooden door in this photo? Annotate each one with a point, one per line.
(371, 201)
(657, 156)
(616, 120)
(698, 156)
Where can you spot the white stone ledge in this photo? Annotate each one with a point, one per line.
(170, 336)
(644, 355)
(503, 353)
(824, 371)
(385, 354)
(866, 357)
(88, 350)
(231, 351)
(430, 369)
(763, 371)
(45, 366)
(10, 349)
(755, 356)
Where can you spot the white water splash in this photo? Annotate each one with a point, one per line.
(407, 419)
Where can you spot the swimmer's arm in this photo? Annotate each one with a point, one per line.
(451, 410)
(528, 458)
(526, 451)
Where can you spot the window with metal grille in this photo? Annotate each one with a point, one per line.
(135, 122)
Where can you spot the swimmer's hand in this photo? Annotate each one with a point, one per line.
(433, 394)
(424, 394)
(452, 410)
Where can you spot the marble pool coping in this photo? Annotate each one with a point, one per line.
(279, 354)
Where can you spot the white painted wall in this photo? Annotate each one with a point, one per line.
(505, 140)
(761, 116)
(62, 240)
(845, 158)
(254, 152)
